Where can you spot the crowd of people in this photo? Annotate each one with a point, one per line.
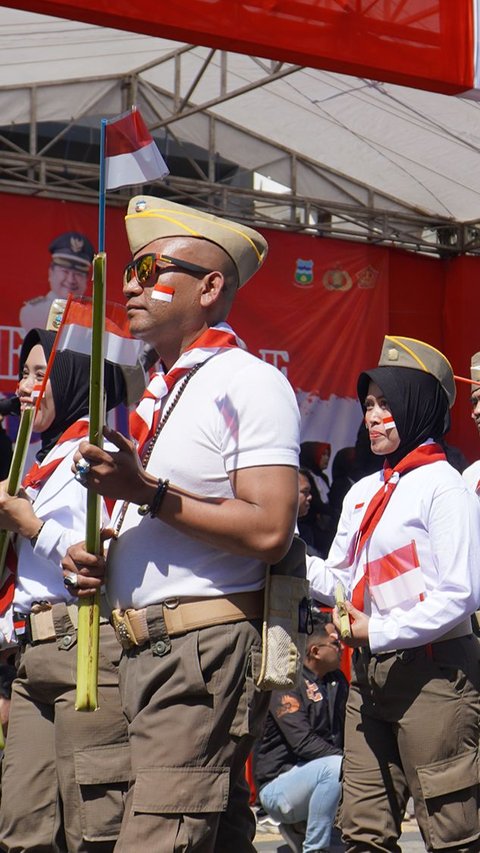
(189, 531)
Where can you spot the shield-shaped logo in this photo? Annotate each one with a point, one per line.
(304, 273)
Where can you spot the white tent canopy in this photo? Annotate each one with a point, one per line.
(354, 157)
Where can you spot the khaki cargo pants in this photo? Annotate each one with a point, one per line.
(413, 724)
(193, 714)
(65, 773)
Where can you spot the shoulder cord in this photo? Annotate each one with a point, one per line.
(149, 450)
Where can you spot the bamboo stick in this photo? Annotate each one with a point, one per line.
(15, 475)
(89, 608)
(345, 629)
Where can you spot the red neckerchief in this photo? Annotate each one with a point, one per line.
(426, 454)
(9, 576)
(41, 471)
(144, 419)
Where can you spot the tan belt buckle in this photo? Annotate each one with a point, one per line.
(123, 629)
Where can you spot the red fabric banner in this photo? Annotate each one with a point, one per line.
(426, 44)
(318, 309)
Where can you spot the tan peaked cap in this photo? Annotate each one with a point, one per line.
(408, 352)
(149, 218)
(475, 370)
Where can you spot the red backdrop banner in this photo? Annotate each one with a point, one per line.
(318, 309)
(426, 44)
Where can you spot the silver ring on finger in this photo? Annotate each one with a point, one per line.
(83, 467)
(70, 581)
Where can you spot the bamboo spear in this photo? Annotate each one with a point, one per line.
(15, 475)
(89, 608)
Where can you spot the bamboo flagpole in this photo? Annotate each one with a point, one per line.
(89, 608)
(15, 474)
(25, 429)
(128, 156)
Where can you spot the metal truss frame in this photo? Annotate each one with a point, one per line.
(316, 201)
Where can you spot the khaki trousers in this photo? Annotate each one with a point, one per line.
(193, 715)
(65, 773)
(413, 725)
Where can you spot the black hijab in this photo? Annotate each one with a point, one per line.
(70, 381)
(417, 402)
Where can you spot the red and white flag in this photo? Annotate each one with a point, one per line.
(163, 292)
(396, 578)
(75, 333)
(131, 154)
(388, 422)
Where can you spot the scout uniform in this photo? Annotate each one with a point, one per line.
(414, 705)
(187, 612)
(471, 475)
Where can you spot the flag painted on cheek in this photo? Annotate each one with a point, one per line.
(163, 292)
(388, 422)
(75, 332)
(131, 154)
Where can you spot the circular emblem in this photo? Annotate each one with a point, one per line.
(337, 279)
(140, 206)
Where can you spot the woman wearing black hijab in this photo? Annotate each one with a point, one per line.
(64, 773)
(407, 552)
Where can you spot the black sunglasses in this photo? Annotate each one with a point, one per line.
(146, 270)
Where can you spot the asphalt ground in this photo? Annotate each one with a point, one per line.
(410, 841)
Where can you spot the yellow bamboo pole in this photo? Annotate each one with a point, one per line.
(345, 629)
(89, 608)
(15, 475)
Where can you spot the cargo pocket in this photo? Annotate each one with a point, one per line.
(177, 790)
(187, 802)
(102, 774)
(450, 792)
(248, 719)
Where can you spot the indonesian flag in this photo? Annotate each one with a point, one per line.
(75, 333)
(396, 578)
(388, 422)
(131, 154)
(163, 292)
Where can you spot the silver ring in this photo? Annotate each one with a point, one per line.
(83, 467)
(71, 581)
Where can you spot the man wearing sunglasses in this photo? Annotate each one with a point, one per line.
(72, 255)
(207, 496)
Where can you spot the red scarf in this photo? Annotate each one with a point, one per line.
(426, 454)
(41, 471)
(145, 418)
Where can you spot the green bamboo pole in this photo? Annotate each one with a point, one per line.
(89, 608)
(15, 474)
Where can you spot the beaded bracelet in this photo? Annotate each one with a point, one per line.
(158, 497)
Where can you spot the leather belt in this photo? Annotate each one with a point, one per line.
(187, 614)
(38, 625)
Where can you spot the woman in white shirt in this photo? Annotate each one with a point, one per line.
(64, 772)
(407, 551)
